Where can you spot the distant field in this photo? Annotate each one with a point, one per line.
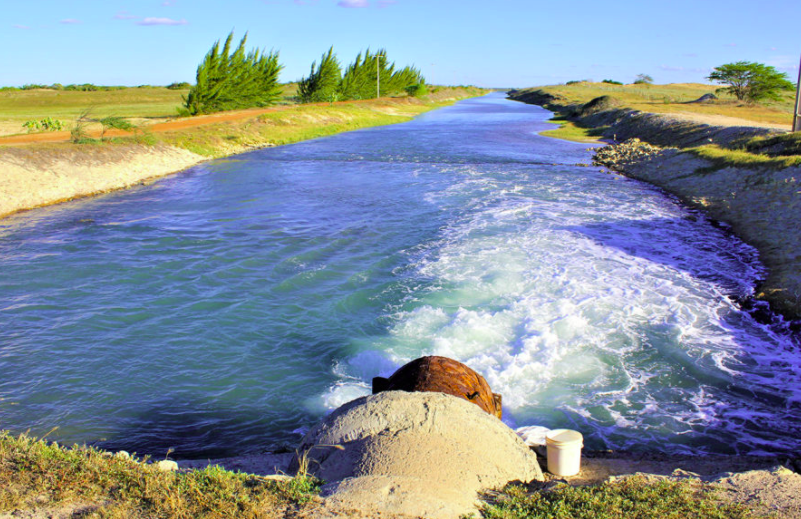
(141, 105)
(676, 98)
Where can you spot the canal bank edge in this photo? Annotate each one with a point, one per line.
(761, 205)
(40, 175)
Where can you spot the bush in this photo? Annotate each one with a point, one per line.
(418, 90)
(323, 82)
(229, 81)
(643, 79)
(48, 124)
(611, 82)
(179, 86)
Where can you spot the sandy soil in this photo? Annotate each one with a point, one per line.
(722, 120)
(31, 179)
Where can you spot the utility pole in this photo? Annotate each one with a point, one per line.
(797, 112)
(378, 57)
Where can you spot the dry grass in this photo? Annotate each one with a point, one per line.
(676, 98)
(35, 475)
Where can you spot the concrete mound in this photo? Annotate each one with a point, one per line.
(417, 454)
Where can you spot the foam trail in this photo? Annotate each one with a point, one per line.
(595, 309)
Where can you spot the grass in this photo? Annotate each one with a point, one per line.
(738, 158)
(572, 131)
(630, 498)
(143, 105)
(41, 475)
(675, 98)
(303, 122)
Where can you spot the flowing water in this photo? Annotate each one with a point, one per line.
(225, 309)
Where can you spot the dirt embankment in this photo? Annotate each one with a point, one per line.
(33, 178)
(762, 205)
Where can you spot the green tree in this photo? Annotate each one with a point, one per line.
(643, 79)
(323, 82)
(230, 81)
(751, 82)
(359, 79)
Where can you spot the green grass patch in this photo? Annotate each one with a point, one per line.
(299, 123)
(739, 158)
(630, 498)
(36, 474)
(571, 131)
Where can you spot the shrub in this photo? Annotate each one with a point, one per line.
(116, 123)
(611, 82)
(179, 85)
(228, 81)
(47, 124)
(643, 79)
(322, 83)
(418, 90)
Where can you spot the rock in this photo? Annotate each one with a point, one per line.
(422, 454)
(167, 465)
(706, 98)
(444, 375)
(123, 455)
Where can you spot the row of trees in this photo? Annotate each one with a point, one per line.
(370, 75)
(229, 79)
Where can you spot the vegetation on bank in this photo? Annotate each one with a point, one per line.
(239, 132)
(676, 98)
(228, 80)
(38, 475)
(300, 123)
(634, 497)
(41, 476)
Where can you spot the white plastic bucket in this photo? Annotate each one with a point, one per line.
(564, 451)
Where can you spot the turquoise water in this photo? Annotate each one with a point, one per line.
(227, 308)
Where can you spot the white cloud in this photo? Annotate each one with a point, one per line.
(353, 3)
(125, 15)
(18, 26)
(386, 3)
(162, 21)
(70, 21)
(730, 45)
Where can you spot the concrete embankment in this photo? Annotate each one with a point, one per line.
(33, 178)
(761, 204)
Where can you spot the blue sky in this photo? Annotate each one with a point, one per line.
(503, 43)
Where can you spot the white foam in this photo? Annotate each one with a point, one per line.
(611, 308)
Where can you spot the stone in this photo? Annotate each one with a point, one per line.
(446, 376)
(422, 454)
(123, 455)
(167, 465)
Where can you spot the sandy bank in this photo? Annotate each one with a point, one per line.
(32, 178)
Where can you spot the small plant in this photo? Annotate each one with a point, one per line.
(611, 82)
(115, 123)
(48, 124)
(78, 133)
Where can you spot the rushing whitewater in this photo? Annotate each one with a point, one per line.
(227, 308)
